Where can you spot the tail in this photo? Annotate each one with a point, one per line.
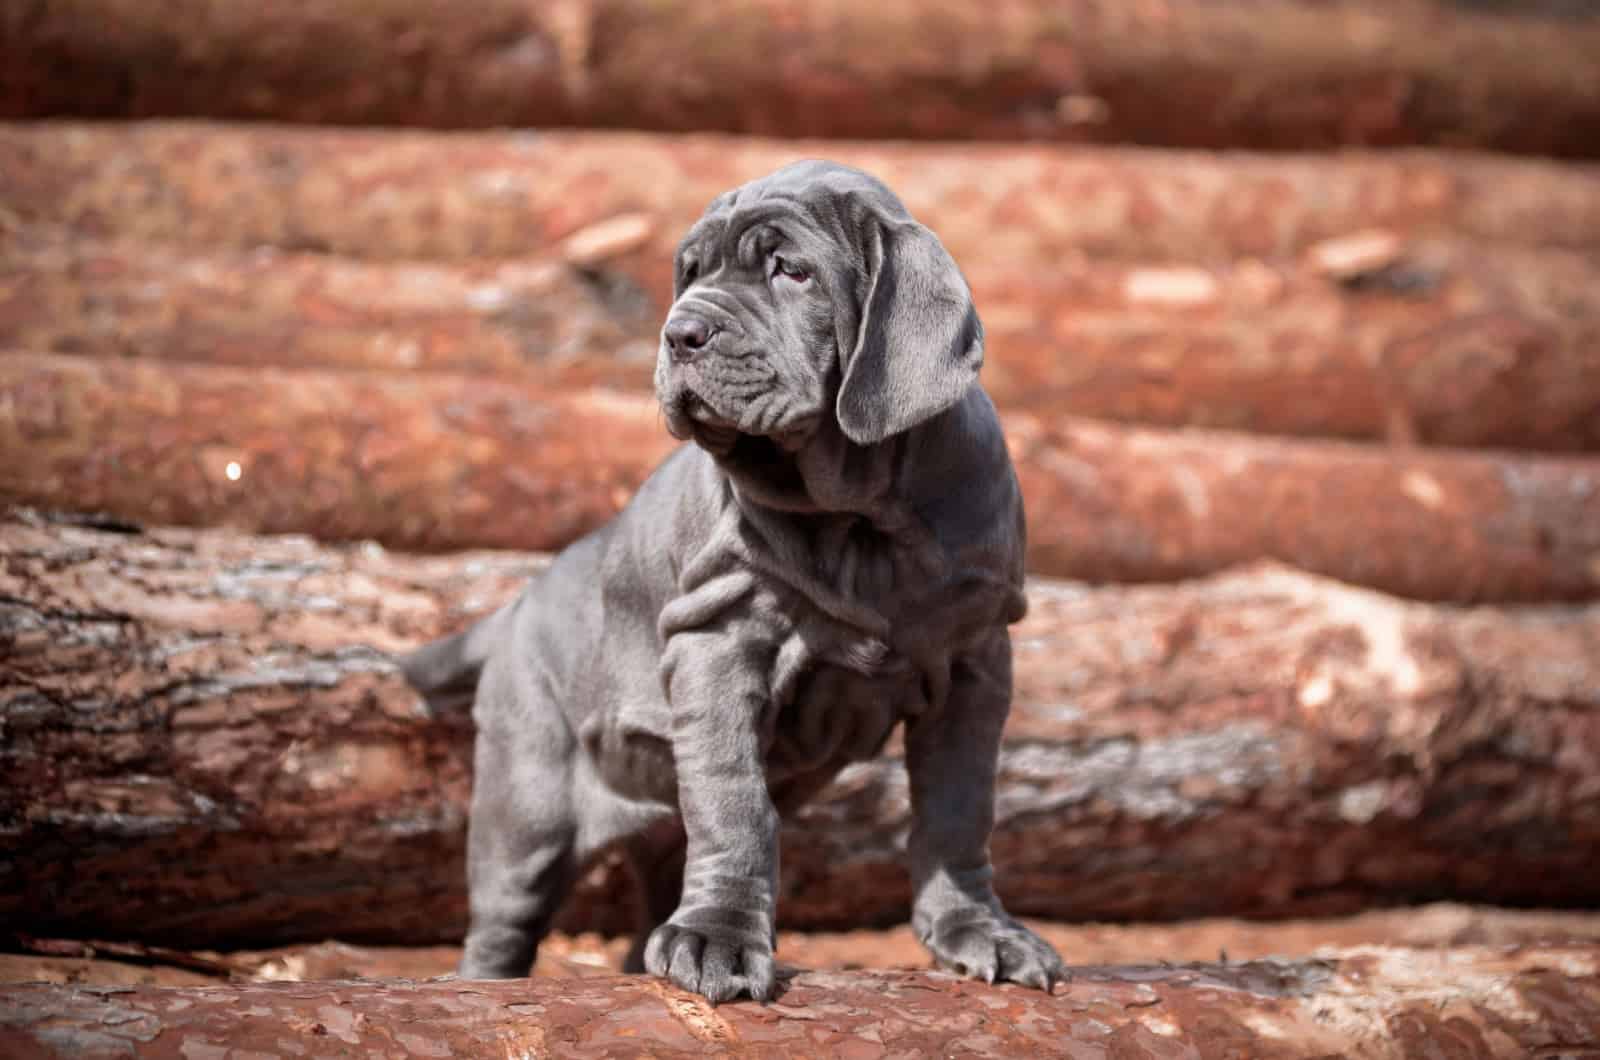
(446, 671)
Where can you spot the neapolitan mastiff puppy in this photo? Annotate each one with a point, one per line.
(839, 551)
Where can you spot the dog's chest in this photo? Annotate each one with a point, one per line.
(854, 629)
(853, 646)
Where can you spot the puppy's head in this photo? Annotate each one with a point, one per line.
(807, 299)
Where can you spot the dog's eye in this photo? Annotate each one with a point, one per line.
(691, 272)
(789, 270)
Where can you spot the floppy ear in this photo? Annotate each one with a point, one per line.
(918, 345)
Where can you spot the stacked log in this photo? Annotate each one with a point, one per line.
(443, 341)
(1275, 74)
(209, 727)
(423, 461)
(408, 194)
(537, 320)
(1435, 925)
(1378, 1002)
(443, 462)
(1427, 341)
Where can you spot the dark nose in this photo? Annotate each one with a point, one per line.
(686, 336)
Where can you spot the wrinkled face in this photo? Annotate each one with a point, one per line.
(811, 312)
(749, 349)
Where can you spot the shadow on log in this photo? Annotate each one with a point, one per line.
(1367, 338)
(624, 200)
(440, 462)
(206, 740)
(1274, 73)
(1377, 1002)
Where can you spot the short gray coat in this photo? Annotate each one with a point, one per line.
(838, 550)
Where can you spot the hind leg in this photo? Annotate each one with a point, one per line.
(521, 860)
(655, 860)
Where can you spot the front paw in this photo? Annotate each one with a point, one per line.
(715, 952)
(983, 944)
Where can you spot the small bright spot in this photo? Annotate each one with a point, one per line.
(233, 471)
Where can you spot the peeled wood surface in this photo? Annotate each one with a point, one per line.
(1273, 73)
(1432, 342)
(438, 462)
(398, 195)
(207, 743)
(1378, 1002)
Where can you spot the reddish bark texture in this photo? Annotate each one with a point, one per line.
(539, 320)
(398, 195)
(1109, 503)
(1423, 342)
(1272, 74)
(438, 462)
(1435, 926)
(1437, 343)
(532, 319)
(207, 744)
(425, 461)
(1376, 1003)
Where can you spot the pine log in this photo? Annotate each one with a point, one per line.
(1440, 343)
(102, 962)
(1437, 925)
(1271, 74)
(424, 461)
(1108, 503)
(207, 744)
(1377, 1002)
(536, 320)
(530, 319)
(624, 199)
(1427, 342)
(438, 462)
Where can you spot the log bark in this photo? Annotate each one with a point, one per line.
(1110, 503)
(618, 198)
(1433, 343)
(1277, 74)
(1380, 1002)
(425, 461)
(1428, 342)
(208, 744)
(438, 462)
(1437, 925)
(534, 320)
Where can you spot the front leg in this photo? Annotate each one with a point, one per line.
(720, 940)
(951, 756)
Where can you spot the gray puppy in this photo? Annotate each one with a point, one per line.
(839, 551)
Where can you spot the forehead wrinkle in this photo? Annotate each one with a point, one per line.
(764, 213)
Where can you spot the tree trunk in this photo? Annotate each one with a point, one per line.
(619, 199)
(424, 461)
(1379, 1002)
(439, 462)
(206, 743)
(1110, 503)
(1420, 342)
(540, 320)
(1273, 74)
(101, 962)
